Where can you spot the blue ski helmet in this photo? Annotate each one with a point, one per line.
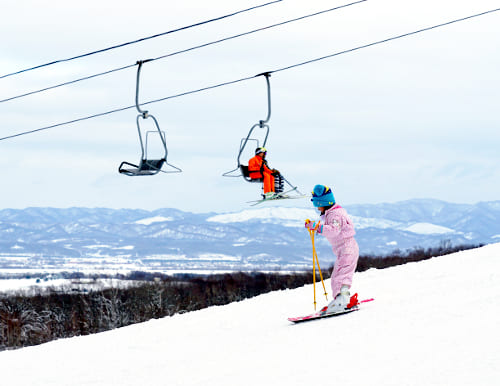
(322, 196)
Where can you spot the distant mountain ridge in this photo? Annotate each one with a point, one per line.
(264, 238)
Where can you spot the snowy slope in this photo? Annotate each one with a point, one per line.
(432, 323)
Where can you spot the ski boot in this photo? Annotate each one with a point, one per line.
(339, 304)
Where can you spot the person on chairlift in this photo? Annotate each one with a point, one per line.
(259, 169)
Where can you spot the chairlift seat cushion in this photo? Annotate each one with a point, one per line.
(246, 174)
(152, 164)
(145, 168)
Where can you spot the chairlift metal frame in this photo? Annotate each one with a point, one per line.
(243, 169)
(263, 124)
(146, 167)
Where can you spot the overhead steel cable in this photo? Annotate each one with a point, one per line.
(186, 50)
(125, 108)
(141, 39)
(252, 77)
(66, 83)
(386, 40)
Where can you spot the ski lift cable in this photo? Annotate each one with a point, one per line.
(327, 56)
(123, 109)
(387, 40)
(253, 77)
(184, 50)
(141, 39)
(67, 83)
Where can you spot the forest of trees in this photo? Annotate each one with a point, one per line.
(55, 313)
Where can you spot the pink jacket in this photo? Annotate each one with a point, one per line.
(338, 228)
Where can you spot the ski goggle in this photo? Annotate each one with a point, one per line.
(261, 150)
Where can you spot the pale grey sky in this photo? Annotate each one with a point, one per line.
(412, 118)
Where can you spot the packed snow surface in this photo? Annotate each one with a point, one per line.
(434, 322)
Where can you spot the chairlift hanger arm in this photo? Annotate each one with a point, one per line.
(139, 63)
(262, 123)
(267, 75)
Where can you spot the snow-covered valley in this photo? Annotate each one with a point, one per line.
(102, 240)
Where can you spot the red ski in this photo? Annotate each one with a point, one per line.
(352, 306)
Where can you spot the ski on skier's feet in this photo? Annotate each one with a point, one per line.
(352, 306)
(277, 196)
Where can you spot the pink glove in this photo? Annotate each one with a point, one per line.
(313, 225)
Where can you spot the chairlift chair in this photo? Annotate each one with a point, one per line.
(280, 180)
(243, 169)
(146, 166)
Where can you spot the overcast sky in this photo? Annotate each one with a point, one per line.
(413, 118)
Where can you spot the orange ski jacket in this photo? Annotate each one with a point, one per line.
(257, 167)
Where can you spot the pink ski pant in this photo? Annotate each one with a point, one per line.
(343, 270)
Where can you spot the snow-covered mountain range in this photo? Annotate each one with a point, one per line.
(265, 238)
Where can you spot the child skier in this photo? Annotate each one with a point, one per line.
(338, 229)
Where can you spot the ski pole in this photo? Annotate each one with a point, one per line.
(315, 255)
(314, 271)
(316, 261)
(311, 234)
(319, 269)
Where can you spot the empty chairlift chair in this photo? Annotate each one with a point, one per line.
(147, 166)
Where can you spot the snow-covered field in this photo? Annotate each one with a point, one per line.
(435, 322)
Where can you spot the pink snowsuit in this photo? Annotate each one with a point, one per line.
(338, 228)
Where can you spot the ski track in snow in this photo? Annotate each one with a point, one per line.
(434, 322)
